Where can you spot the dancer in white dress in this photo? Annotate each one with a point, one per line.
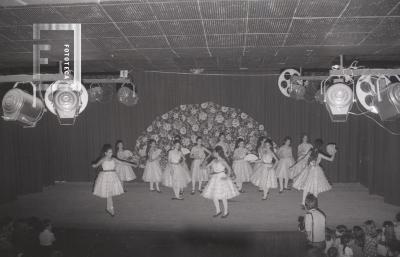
(241, 168)
(225, 146)
(260, 149)
(303, 152)
(220, 187)
(175, 174)
(286, 160)
(124, 172)
(266, 168)
(152, 171)
(314, 181)
(107, 182)
(199, 172)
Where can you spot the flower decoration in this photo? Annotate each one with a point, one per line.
(190, 121)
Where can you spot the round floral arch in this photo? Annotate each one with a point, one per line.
(207, 120)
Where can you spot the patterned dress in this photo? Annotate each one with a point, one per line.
(303, 151)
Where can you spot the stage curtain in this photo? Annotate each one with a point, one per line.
(36, 157)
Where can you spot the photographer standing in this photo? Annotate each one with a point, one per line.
(314, 222)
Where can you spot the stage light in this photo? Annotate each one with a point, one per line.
(338, 101)
(284, 81)
(128, 96)
(366, 89)
(387, 101)
(66, 99)
(20, 106)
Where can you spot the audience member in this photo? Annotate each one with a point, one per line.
(314, 223)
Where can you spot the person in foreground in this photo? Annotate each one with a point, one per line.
(220, 187)
(107, 182)
(314, 223)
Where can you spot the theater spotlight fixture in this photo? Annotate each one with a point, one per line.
(338, 101)
(127, 96)
(366, 90)
(387, 101)
(20, 106)
(285, 85)
(66, 99)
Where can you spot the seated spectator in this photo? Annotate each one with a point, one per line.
(386, 236)
(371, 241)
(314, 221)
(340, 230)
(329, 239)
(46, 238)
(344, 248)
(394, 248)
(332, 252)
(397, 226)
(357, 244)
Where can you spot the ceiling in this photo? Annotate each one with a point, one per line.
(218, 36)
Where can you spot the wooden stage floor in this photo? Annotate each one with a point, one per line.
(72, 205)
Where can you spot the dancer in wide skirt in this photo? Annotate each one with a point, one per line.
(220, 187)
(241, 167)
(175, 174)
(314, 182)
(152, 171)
(107, 182)
(267, 178)
(260, 149)
(286, 160)
(199, 171)
(124, 172)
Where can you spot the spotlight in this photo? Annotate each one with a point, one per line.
(284, 83)
(66, 99)
(387, 101)
(20, 106)
(338, 101)
(128, 96)
(366, 90)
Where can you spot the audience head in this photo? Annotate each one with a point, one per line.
(239, 142)
(47, 224)
(359, 236)
(332, 252)
(397, 218)
(340, 230)
(311, 202)
(315, 252)
(370, 228)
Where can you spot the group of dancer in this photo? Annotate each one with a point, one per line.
(270, 167)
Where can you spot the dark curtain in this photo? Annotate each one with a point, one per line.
(50, 152)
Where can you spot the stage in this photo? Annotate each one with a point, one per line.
(72, 205)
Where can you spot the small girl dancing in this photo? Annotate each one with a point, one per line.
(152, 171)
(241, 168)
(199, 173)
(107, 182)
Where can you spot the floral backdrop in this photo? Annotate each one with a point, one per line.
(207, 120)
